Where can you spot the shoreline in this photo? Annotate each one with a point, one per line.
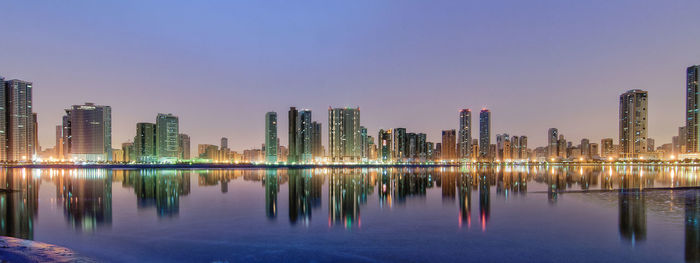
(22, 250)
(313, 166)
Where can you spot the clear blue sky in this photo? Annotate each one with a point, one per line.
(220, 65)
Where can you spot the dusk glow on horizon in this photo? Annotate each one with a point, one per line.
(220, 66)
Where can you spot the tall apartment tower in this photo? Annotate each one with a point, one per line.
(303, 137)
(316, 140)
(271, 137)
(400, 150)
(449, 145)
(184, 146)
(465, 133)
(692, 110)
(167, 135)
(552, 140)
(145, 142)
(293, 115)
(224, 143)
(16, 121)
(484, 133)
(344, 134)
(384, 146)
(58, 149)
(633, 123)
(90, 132)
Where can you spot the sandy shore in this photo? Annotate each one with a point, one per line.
(21, 250)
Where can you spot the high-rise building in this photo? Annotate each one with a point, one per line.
(271, 137)
(128, 151)
(66, 135)
(465, 133)
(365, 143)
(37, 148)
(680, 145)
(422, 145)
(91, 132)
(607, 148)
(145, 142)
(586, 148)
(303, 137)
(293, 116)
(184, 146)
(561, 147)
(224, 143)
(167, 132)
(344, 134)
(523, 148)
(552, 141)
(58, 149)
(650, 145)
(692, 109)
(384, 146)
(449, 144)
(316, 140)
(16, 121)
(484, 133)
(515, 147)
(400, 151)
(633, 123)
(595, 151)
(503, 147)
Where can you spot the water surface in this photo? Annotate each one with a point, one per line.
(522, 213)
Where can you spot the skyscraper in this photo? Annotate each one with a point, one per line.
(316, 140)
(184, 146)
(224, 143)
(365, 143)
(344, 134)
(586, 148)
(271, 137)
(145, 142)
(399, 144)
(465, 133)
(552, 140)
(692, 109)
(91, 132)
(293, 116)
(633, 123)
(523, 148)
(484, 133)
(58, 149)
(167, 132)
(607, 147)
(303, 137)
(384, 146)
(449, 145)
(16, 121)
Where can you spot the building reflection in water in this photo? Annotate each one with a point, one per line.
(484, 199)
(464, 184)
(271, 184)
(692, 226)
(159, 189)
(632, 218)
(347, 190)
(86, 196)
(19, 197)
(304, 194)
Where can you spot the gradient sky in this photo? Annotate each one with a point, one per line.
(220, 65)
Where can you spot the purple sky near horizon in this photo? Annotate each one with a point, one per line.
(221, 65)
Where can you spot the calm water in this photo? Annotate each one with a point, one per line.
(427, 214)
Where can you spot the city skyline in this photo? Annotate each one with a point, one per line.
(412, 86)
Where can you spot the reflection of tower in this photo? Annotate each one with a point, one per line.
(19, 207)
(346, 191)
(87, 198)
(484, 200)
(692, 226)
(447, 181)
(633, 218)
(465, 199)
(160, 188)
(271, 189)
(301, 195)
(385, 189)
